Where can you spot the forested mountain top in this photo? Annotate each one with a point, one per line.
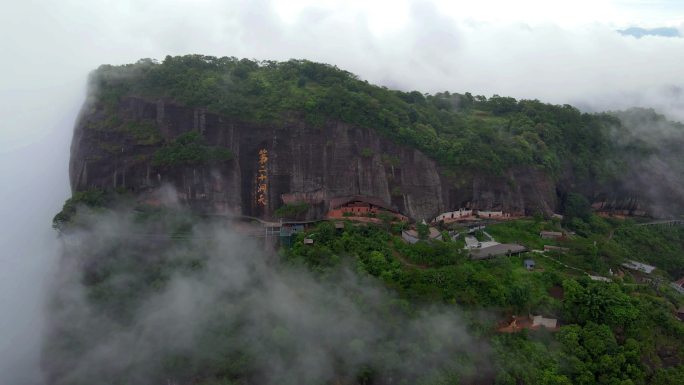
(460, 131)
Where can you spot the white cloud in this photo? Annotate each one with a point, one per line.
(556, 51)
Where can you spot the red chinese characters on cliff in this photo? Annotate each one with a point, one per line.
(262, 179)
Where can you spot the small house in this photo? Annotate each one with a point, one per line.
(362, 206)
(555, 248)
(598, 278)
(638, 266)
(678, 285)
(529, 264)
(490, 214)
(518, 324)
(497, 250)
(411, 236)
(549, 323)
(308, 241)
(453, 216)
(550, 234)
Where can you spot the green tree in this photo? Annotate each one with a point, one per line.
(376, 263)
(576, 206)
(423, 230)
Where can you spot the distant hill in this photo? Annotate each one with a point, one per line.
(639, 32)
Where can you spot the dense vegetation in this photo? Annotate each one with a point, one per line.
(661, 246)
(460, 131)
(291, 210)
(613, 333)
(189, 149)
(93, 198)
(622, 332)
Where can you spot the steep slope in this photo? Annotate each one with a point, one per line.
(306, 163)
(248, 138)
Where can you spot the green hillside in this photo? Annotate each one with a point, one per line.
(368, 300)
(461, 131)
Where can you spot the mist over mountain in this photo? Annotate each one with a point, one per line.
(335, 137)
(219, 306)
(201, 243)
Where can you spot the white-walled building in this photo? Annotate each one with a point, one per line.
(491, 214)
(454, 215)
(634, 265)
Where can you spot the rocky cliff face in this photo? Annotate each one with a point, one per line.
(304, 163)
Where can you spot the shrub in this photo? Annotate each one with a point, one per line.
(292, 209)
(458, 131)
(144, 132)
(366, 152)
(189, 149)
(90, 198)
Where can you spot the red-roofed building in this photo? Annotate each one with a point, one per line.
(361, 206)
(678, 285)
(537, 322)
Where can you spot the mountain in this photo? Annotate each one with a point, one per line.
(151, 290)
(208, 125)
(639, 32)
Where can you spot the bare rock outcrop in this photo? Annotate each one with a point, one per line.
(305, 163)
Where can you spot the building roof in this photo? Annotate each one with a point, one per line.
(338, 202)
(496, 250)
(408, 237)
(555, 248)
(413, 234)
(677, 287)
(599, 278)
(518, 324)
(529, 262)
(634, 265)
(549, 323)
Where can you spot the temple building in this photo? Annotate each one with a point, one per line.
(359, 206)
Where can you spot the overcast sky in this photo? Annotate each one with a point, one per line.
(556, 51)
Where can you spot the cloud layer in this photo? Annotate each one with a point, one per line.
(428, 46)
(146, 315)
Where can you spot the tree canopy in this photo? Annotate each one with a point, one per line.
(461, 131)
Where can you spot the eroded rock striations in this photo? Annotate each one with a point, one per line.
(305, 163)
